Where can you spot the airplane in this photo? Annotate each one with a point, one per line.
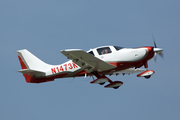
(99, 62)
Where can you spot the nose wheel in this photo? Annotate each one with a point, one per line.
(147, 74)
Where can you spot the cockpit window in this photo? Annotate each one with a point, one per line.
(91, 52)
(104, 50)
(117, 47)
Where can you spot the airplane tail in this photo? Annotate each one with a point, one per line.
(33, 68)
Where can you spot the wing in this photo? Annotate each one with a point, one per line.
(128, 71)
(87, 61)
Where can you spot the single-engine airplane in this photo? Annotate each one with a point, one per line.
(99, 62)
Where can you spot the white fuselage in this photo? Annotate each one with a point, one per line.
(124, 55)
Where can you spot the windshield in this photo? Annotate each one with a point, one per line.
(118, 48)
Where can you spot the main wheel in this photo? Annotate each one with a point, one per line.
(102, 83)
(116, 87)
(147, 77)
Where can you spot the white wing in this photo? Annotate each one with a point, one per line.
(128, 71)
(87, 61)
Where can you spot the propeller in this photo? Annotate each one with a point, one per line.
(158, 51)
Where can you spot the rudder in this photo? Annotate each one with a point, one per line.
(29, 63)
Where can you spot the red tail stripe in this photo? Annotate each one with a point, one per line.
(23, 66)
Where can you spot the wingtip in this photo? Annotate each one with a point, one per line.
(69, 50)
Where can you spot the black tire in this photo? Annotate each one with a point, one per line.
(116, 87)
(101, 83)
(147, 77)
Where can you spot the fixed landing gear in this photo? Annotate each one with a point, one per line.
(116, 87)
(115, 84)
(147, 74)
(102, 83)
(101, 80)
(147, 77)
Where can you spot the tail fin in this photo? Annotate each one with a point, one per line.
(32, 67)
(30, 61)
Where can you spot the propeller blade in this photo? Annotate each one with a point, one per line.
(155, 46)
(161, 55)
(155, 57)
(158, 51)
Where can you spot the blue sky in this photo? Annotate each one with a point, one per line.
(45, 27)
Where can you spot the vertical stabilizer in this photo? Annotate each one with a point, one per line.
(30, 61)
(33, 68)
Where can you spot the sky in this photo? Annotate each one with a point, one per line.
(44, 27)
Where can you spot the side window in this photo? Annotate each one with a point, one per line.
(104, 50)
(91, 52)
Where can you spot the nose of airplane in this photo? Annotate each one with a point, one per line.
(158, 50)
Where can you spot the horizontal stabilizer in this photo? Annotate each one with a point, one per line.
(35, 73)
